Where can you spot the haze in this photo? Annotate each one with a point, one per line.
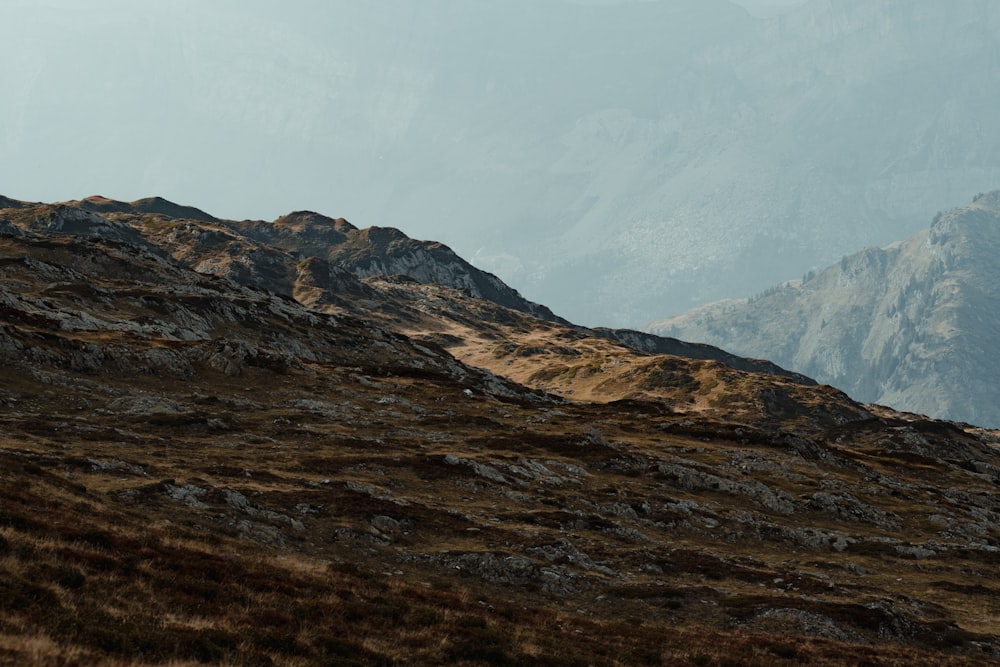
(617, 161)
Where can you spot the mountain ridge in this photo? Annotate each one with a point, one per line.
(362, 253)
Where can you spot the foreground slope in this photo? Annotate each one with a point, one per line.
(195, 469)
(914, 325)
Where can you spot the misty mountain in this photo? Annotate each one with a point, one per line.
(914, 325)
(612, 160)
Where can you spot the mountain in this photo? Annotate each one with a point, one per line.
(613, 160)
(913, 325)
(217, 450)
(385, 251)
(312, 258)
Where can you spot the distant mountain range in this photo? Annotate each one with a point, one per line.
(613, 160)
(915, 324)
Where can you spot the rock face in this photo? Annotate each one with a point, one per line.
(914, 325)
(386, 251)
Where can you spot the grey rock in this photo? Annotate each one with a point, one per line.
(806, 622)
(846, 507)
(144, 405)
(564, 551)
(118, 465)
(386, 524)
(188, 494)
(239, 502)
(260, 532)
(514, 570)
(920, 553)
(484, 470)
(691, 479)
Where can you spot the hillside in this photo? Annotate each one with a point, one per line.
(205, 458)
(315, 259)
(914, 325)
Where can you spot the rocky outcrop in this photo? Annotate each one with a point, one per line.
(64, 220)
(307, 233)
(87, 293)
(385, 251)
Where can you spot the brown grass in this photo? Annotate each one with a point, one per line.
(375, 507)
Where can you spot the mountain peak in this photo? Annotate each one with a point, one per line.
(300, 220)
(98, 200)
(155, 205)
(987, 200)
(170, 209)
(382, 236)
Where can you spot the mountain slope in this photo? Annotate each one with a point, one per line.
(312, 258)
(913, 325)
(375, 252)
(580, 364)
(198, 468)
(86, 294)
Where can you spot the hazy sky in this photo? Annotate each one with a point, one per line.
(211, 102)
(616, 160)
(252, 107)
(769, 7)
